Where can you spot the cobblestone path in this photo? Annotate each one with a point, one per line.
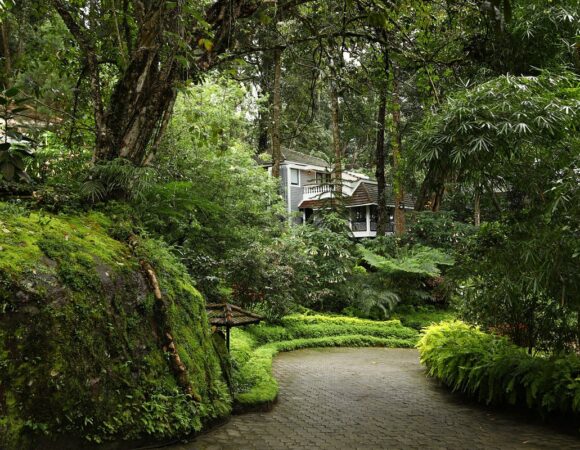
(372, 399)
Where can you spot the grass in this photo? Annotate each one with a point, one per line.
(253, 349)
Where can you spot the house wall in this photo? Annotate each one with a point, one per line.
(293, 195)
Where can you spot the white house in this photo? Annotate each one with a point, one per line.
(307, 185)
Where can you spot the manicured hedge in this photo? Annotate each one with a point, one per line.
(493, 370)
(253, 349)
(300, 327)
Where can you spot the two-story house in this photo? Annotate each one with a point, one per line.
(308, 185)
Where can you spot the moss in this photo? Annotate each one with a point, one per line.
(78, 351)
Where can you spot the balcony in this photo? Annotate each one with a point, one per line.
(323, 191)
(317, 191)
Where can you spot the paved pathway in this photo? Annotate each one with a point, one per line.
(372, 399)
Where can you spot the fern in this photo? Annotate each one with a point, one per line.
(419, 260)
(118, 177)
(493, 370)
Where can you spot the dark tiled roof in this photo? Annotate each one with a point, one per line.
(365, 194)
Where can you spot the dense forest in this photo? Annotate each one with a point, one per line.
(135, 137)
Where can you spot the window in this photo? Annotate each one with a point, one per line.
(323, 178)
(359, 214)
(294, 177)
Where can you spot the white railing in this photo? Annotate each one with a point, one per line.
(317, 189)
(323, 191)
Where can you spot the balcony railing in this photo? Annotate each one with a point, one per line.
(318, 189)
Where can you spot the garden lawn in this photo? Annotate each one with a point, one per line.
(254, 348)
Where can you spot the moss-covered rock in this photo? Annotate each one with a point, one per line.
(80, 353)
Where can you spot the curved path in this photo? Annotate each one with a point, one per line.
(372, 399)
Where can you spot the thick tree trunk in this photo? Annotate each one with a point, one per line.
(336, 144)
(382, 213)
(397, 169)
(140, 102)
(276, 110)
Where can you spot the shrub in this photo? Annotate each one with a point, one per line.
(493, 370)
(422, 316)
(410, 275)
(437, 229)
(522, 280)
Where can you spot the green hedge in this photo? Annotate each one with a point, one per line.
(295, 329)
(493, 370)
(253, 349)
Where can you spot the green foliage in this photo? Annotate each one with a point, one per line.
(418, 260)
(436, 229)
(517, 135)
(254, 348)
(499, 119)
(15, 147)
(210, 200)
(305, 266)
(117, 178)
(298, 326)
(78, 348)
(492, 370)
(514, 282)
(420, 317)
(412, 274)
(58, 171)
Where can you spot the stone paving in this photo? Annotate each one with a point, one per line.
(372, 399)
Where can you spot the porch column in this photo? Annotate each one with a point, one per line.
(368, 219)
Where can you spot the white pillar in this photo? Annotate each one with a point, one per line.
(368, 219)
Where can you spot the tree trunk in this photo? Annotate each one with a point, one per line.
(6, 54)
(276, 110)
(397, 169)
(265, 83)
(438, 197)
(336, 144)
(382, 213)
(477, 209)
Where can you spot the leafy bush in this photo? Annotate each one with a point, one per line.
(436, 229)
(298, 327)
(305, 266)
(410, 274)
(493, 370)
(422, 316)
(522, 280)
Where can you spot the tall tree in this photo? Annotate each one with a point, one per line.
(276, 109)
(397, 146)
(164, 44)
(336, 142)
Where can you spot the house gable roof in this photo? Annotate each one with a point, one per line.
(292, 156)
